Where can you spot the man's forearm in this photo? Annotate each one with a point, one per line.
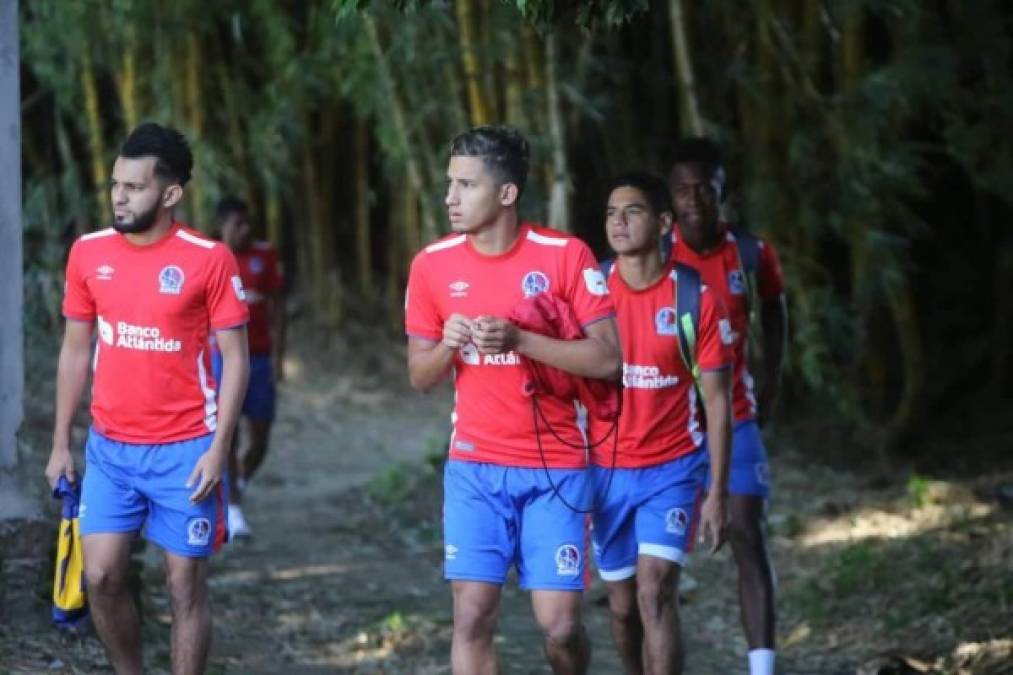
(430, 366)
(71, 376)
(717, 406)
(231, 392)
(589, 357)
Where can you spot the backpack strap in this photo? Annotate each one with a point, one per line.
(747, 245)
(687, 313)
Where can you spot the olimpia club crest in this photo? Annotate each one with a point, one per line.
(170, 280)
(736, 282)
(533, 283)
(568, 560)
(665, 321)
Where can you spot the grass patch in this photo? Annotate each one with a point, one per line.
(397, 482)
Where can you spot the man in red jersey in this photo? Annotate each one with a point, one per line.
(264, 285)
(649, 493)
(158, 447)
(704, 242)
(504, 487)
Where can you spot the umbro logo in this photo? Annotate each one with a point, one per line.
(459, 289)
(104, 272)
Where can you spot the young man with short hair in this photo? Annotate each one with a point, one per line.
(746, 273)
(504, 486)
(648, 493)
(260, 268)
(158, 448)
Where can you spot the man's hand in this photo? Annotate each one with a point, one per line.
(209, 470)
(61, 463)
(713, 523)
(493, 335)
(457, 331)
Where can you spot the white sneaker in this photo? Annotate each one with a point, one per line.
(238, 526)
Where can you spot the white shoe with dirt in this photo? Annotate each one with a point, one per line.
(238, 527)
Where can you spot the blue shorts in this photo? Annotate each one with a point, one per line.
(260, 394)
(749, 473)
(649, 511)
(127, 485)
(497, 516)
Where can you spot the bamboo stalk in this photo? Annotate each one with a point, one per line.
(559, 199)
(480, 112)
(195, 120)
(412, 165)
(363, 250)
(96, 143)
(127, 80)
(693, 121)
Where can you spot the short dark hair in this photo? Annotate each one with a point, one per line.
(700, 150)
(503, 150)
(229, 205)
(173, 159)
(696, 150)
(658, 196)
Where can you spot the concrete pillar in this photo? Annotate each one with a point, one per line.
(11, 295)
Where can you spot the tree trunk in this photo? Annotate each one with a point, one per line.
(410, 152)
(127, 80)
(534, 63)
(272, 215)
(363, 248)
(585, 57)
(691, 120)
(195, 120)
(904, 311)
(481, 112)
(234, 128)
(851, 75)
(514, 86)
(394, 289)
(319, 252)
(96, 143)
(559, 195)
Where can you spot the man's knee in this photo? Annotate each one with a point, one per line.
(656, 592)
(655, 598)
(562, 628)
(474, 618)
(187, 592)
(745, 534)
(623, 605)
(104, 579)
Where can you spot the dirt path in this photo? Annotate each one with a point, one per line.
(343, 574)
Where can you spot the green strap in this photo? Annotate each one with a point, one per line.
(689, 331)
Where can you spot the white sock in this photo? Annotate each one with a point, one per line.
(761, 662)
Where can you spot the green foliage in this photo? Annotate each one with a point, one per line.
(397, 482)
(395, 622)
(540, 12)
(918, 490)
(830, 158)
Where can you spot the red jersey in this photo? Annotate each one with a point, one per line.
(660, 416)
(492, 418)
(260, 270)
(154, 306)
(722, 271)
